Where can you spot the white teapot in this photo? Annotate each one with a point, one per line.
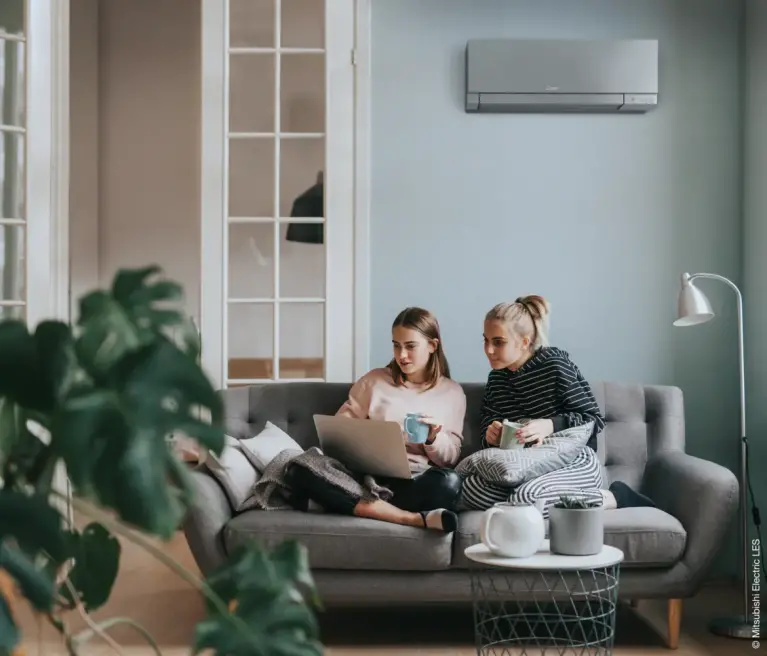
(513, 531)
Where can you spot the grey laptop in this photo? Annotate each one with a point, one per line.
(365, 446)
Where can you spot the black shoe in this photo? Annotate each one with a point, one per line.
(625, 497)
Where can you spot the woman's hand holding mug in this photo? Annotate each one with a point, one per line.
(493, 433)
(421, 429)
(434, 427)
(535, 431)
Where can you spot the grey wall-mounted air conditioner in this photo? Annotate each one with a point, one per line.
(545, 76)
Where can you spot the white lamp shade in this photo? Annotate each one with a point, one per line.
(693, 307)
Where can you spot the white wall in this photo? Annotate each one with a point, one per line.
(149, 141)
(84, 148)
(136, 158)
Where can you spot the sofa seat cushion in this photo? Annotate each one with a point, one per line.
(340, 542)
(648, 537)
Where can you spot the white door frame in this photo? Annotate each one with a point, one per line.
(362, 188)
(47, 176)
(47, 160)
(348, 349)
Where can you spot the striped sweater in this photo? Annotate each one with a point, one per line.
(548, 386)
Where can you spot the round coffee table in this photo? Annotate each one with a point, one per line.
(560, 604)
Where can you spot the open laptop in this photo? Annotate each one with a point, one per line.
(365, 446)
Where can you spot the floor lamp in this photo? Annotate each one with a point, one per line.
(694, 308)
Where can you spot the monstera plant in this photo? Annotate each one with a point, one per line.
(100, 398)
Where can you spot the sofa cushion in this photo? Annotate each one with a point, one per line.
(340, 542)
(648, 537)
(267, 445)
(233, 470)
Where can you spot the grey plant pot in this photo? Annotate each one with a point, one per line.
(576, 531)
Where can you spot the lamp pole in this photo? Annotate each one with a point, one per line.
(735, 627)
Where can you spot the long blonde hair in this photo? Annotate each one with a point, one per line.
(426, 323)
(528, 316)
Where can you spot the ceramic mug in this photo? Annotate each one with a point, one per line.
(508, 435)
(417, 431)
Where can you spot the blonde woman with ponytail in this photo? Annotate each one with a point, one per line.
(539, 386)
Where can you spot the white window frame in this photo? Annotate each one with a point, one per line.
(47, 160)
(346, 192)
(47, 174)
(363, 129)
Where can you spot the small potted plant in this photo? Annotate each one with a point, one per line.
(576, 527)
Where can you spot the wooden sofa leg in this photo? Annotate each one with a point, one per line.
(674, 622)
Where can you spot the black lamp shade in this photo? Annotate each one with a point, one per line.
(310, 204)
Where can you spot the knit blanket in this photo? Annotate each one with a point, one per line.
(271, 491)
(512, 467)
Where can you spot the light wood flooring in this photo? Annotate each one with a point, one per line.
(152, 595)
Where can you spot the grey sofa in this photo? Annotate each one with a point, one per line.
(668, 550)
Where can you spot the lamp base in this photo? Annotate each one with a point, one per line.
(737, 626)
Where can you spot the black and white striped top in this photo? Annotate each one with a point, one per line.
(548, 386)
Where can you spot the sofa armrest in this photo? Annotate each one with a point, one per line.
(702, 495)
(208, 514)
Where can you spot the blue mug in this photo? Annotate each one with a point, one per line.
(416, 430)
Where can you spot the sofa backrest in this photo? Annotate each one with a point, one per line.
(641, 420)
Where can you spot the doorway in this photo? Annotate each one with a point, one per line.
(217, 139)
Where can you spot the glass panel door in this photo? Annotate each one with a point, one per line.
(13, 127)
(286, 250)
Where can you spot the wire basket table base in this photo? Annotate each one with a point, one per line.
(521, 613)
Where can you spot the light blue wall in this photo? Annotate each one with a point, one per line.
(756, 240)
(599, 213)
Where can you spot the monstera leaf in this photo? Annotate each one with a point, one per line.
(35, 369)
(113, 437)
(35, 584)
(96, 554)
(120, 322)
(103, 398)
(266, 597)
(33, 524)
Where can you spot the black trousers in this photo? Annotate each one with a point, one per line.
(434, 488)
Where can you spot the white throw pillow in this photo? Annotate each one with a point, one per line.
(233, 471)
(264, 447)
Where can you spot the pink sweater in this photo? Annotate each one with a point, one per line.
(375, 396)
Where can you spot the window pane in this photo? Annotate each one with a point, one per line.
(11, 175)
(302, 93)
(11, 312)
(12, 87)
(302, 162)
(12, 17)
(251, 342)
(12, 263)
(302, 340)
(251, 260)
(251, 93)
(251, 177)
(302, 263)
(303, 23)
(251, 23)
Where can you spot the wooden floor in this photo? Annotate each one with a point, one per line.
(168, 608)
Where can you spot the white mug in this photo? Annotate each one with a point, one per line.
(509, 435)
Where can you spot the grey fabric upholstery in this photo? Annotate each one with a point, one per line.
(668, 550)
(339, 542)
(205, 522)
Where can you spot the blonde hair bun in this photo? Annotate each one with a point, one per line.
(538, 306)
(527, 316)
